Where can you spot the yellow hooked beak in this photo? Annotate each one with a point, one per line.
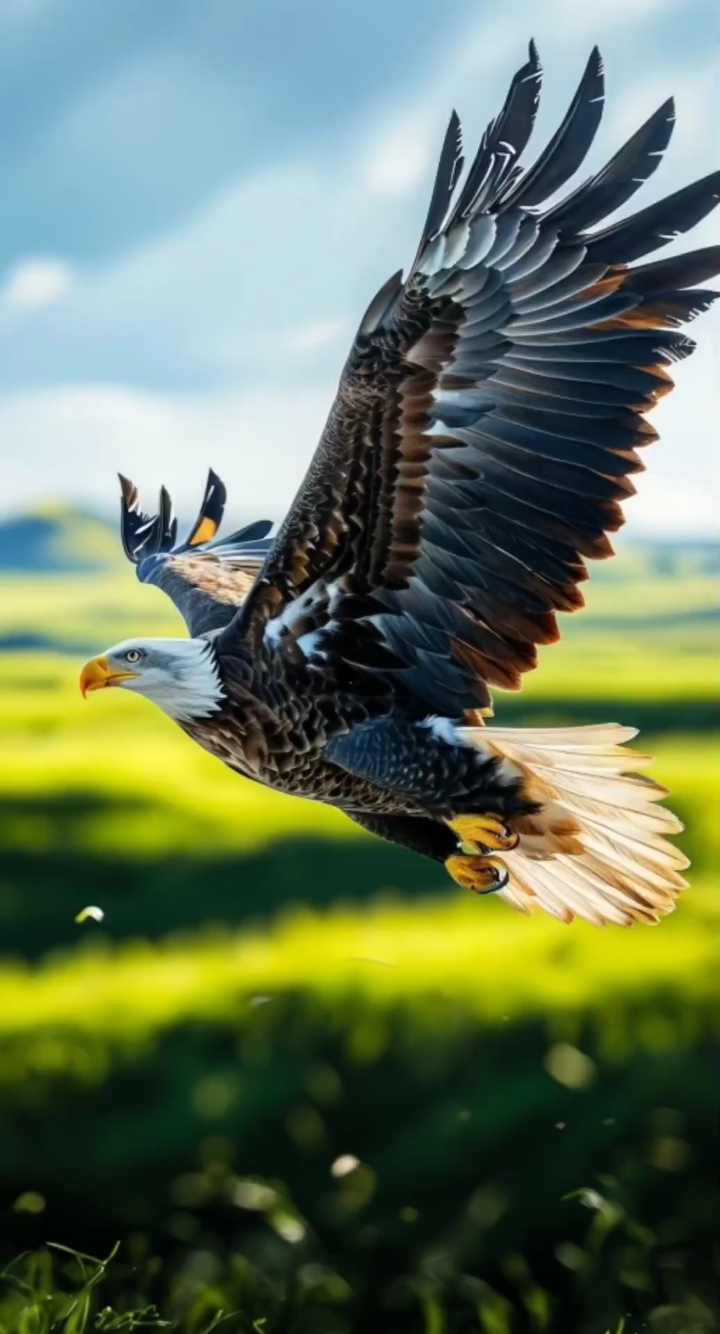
(97, 674)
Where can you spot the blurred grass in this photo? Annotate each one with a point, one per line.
(496, 965)
(73, 610)
(197, 1098)
(117, 745)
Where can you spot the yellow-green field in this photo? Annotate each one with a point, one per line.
(113, 745)
(498, 966)
(643, 650)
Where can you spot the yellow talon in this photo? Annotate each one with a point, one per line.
(487, 832)
(480, 874)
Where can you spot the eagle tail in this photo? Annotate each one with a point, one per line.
(597, 846)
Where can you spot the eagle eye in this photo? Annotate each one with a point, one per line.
(134, 655)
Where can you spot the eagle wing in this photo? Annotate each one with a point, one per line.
(206, 577)
(489, 416)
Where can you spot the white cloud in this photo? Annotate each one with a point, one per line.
(239, 293)
(318, 333)
(474, 75)
(217, 296)
(680, 492)
(69, 443)
(399, 159)
(697, 104)
(37, 281)
(674, 509)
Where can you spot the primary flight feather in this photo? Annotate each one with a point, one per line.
(483, 437)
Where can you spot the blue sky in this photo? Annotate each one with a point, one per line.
(201, 196)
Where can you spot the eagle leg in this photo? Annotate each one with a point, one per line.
(422, 834)
(436, 839)
(482, 875)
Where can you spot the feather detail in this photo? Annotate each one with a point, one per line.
(570, 143)
(623, 175)
(489, 415)
(596, 848)
(206, 576)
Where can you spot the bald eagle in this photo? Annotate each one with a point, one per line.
(486, 426)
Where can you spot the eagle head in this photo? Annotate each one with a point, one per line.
(181, 676)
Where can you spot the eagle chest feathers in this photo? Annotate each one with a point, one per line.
(276, 761)
(272, 724)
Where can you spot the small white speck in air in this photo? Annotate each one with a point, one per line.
(344, 1165)
(256, 1001)
(90, 914)
(560, 1125)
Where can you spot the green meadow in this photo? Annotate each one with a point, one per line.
(294, 1072)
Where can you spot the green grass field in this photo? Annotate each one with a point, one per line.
(272, 990)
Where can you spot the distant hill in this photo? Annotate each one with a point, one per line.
(65, 587)
(658, 558)
(63, 540)
(58, 539)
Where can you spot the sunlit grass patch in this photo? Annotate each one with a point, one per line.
(118, 746)
(77, 609)
(494, 964)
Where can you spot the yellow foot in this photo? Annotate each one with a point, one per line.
(480, 874)
(488, 832)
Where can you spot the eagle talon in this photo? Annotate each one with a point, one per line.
(486, 832)
(482, 875)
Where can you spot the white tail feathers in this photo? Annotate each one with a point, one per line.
(597, 848)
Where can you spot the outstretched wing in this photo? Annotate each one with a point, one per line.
(206, 577)
(490, 413)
